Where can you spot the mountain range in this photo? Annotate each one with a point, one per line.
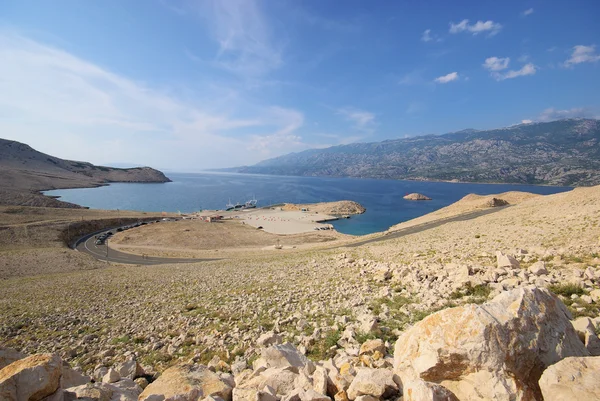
(562, 152)
(24, 172)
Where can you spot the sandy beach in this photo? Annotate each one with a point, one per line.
(289, 218)
(287, 222)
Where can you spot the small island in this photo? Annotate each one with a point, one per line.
(416, 196)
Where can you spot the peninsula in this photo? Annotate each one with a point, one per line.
(24, 172)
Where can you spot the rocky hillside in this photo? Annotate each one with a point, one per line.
(519, 346)
(564, 152)
(24, 172)
(505, 306)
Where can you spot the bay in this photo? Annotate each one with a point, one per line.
(382, 198)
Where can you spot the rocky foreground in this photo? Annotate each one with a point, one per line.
(463, 311)
(522, 345)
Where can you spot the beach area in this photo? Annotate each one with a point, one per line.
(287, 227)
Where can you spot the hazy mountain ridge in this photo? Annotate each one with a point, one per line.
(24, 172)
(563, 152)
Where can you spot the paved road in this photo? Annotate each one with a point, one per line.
(88, 245)
(426, 226)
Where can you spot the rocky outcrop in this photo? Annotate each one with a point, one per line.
(31, 379)
(187, 382)
(574, 378)
(337, 208)
(495, 351)
(24, 171)
(416, 196)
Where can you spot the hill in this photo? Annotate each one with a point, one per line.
(563, 152)
(24, 172)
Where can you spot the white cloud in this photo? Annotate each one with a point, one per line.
(71, 108)
(496, 63)
(527, 12)
(430, 37)
(527, 69)
(363, 120)
(551, 114)
(427, 36)
(246, 44)
(582, 54)
(526, 121)
(444, 79)
(491, 27)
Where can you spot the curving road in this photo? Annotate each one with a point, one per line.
(88, 245)
(426, 226)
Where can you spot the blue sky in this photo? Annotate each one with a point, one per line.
(186, 85)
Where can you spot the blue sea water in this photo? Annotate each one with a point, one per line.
(382, 198)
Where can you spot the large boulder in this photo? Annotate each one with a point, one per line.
(587, 334)
(130, 369)
(379, 383)
(72, 378)
(571, 379)
(504, 260)
(286, 355)
(31, 378)
(186, 382)
(123, 390)
(250, 394)
(371, 346)
(281, 380)
(420, 390)
(495, 351)
(269, 338)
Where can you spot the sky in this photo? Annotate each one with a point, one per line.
(187, 85)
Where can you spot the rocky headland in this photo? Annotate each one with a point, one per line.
(344, 207)
(24, 172)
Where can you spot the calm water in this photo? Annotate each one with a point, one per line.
(193, 192)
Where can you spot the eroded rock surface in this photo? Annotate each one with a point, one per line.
(573, 378)
(496, 351)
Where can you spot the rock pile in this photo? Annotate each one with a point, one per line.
(519, 346)
(434, 282)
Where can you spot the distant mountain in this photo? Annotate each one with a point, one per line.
(564, 152)
(24, 172)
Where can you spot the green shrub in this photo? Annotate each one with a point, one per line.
(566, 289)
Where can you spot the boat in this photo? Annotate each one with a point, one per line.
(251, 204)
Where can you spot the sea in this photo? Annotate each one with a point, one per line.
(194, 192)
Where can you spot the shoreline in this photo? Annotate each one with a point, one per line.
(388, 179)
